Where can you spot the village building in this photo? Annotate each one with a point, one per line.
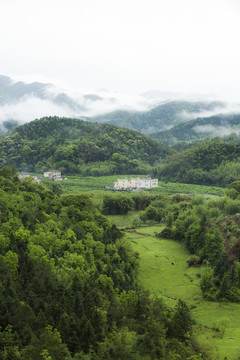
(28, 176)
(135, 183)
(54, 175)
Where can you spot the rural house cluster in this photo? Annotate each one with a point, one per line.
(54, 175)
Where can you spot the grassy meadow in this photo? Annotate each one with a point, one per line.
(77, 183)
(164, 271)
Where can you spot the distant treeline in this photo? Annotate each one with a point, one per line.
(213, 162)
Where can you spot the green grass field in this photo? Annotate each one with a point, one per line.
(164, 271)
(75, 184)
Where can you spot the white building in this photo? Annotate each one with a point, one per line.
(135, 183)
(154, 183)
(122, 184)
(53, 175)
(28, 176)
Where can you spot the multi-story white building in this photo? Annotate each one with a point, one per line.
(135, 183)
(154, 183)
(122, 184)
(53, 175)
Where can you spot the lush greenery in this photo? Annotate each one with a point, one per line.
(210, 231)
(217, 323)
(78, 183)
(211, 162)
(76, 146)
(68, 286)
(159, 118)
(198, 129)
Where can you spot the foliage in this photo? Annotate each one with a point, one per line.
(197, 129)
(213, 162)
(79, 147)
(68, 286)
(156, 119)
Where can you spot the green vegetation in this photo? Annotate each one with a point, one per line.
(212, 162)
(198, 129)
(217, 324)
(80, 147)
(68, 284)
(158, 118)
(78, 183)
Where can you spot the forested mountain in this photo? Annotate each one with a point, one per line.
(159, 118)
(200, 128)
(76, 146)
(68, 288)
(210, 162)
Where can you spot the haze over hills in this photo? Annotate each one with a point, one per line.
(151, 112)
(161, 117)
(199, 129)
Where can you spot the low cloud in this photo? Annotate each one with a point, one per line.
(54, 102)
(224, 109)
(215, 130)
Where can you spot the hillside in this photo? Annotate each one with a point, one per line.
(210, 162)
(159, 118)
(199, 129)
(77, 146)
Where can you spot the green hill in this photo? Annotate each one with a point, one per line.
(210, 162)
(198, 129)
(77, 146)
(158, 118)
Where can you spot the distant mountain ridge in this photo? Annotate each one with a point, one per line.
(12, 92)
(199, 129)
(161, 117)
(169, 121)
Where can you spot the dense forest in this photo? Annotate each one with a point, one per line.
(210, 162)
(80, 147)
(68, 284)
(159, 118)
(199, 129)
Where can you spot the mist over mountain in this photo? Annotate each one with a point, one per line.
(21, 102)
(161, 117)
(199, 129)
(150, 112)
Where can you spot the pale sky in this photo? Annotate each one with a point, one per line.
(129, 46)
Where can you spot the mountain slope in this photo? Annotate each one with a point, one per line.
(210, 162)
(77, 146)
(199, 129)
(159, 118)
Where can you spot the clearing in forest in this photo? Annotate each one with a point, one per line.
(164, 271)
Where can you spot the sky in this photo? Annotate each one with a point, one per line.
(127, 46)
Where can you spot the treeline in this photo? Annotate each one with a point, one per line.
(211, 162)
(68, 286)
(80, 147)
(121, 204)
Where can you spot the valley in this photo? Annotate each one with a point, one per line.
(164, 271)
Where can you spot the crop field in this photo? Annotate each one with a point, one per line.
(75, 184)
(164, 271)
